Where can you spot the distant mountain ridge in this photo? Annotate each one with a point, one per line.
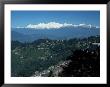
(28, 35)
(56, 25)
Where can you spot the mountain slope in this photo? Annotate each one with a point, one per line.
(56, 34)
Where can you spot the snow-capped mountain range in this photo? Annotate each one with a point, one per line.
(53, 30)
(55, 25)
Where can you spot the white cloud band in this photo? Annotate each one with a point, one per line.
(55, 25)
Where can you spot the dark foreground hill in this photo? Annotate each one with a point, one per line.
(82, 63)
(45, 57)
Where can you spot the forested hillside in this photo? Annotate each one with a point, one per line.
(44, 55)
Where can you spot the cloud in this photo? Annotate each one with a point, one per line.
(85, 25)
(49, 25)
(55, 25)
(67, 25)
(19, 27)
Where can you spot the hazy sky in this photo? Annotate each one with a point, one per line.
(22, 18)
